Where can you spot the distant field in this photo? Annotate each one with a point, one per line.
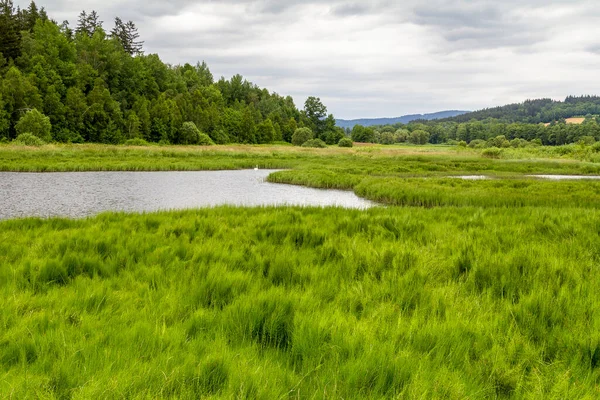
(574, 121)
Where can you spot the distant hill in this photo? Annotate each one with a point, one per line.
(344, 123)
(536, 111)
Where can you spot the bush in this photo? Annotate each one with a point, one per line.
(345, 142)
(387, 138)
(477, 144)
(68, 136)
(316, 143)
(136, 142)
(419, 137)
(462, 143)
(205, 140)
(190, 134)
(27, 139)
(536, 143)
(596, 147)
(517, 143)
(587, 140)
(499, 141)
(35, 123)
(492, 152)
(301, 136)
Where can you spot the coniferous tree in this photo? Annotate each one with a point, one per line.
(9, 30)
(127, 35)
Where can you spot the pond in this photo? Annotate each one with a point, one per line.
(81, 194)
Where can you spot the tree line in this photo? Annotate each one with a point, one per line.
(536, 111)
(90, 85)
(490, 130)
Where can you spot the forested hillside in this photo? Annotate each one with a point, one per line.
(536, 111)
(89, 84)
(535, 122)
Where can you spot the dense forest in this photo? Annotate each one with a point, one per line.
(91, 85)
(537, 122)
(536, 111)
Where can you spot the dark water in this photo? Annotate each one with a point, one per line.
(80, 194)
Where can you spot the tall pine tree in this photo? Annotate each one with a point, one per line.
(10, 38)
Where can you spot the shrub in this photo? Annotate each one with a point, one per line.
(516, 143)
(596, 147)
(499, 141)
(492, 152)
(205, 140)
(419, 137)
(316, 143)
(387, 138)
(477, 144)
(345, 142)
(68, 136)
(190, 134)
(402, 135)
(587, 140)
(136, 142)
(363, 134)
(536, 143)
(301, 136)
(462, 143)
(27, 139)
(35, 123)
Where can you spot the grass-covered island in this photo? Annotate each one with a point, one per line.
(474, 289)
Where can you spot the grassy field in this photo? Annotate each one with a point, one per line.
(473, 289)
(303, 303)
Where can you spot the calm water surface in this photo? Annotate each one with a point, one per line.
(81, 194)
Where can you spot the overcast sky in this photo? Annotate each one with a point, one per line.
(375, 58)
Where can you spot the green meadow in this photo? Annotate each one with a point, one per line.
(455, 289)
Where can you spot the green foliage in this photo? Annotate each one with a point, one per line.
(317, 143)
(363, 134)
(314, 115)
(101, 88)
(301, 136)
(499, 142)
(345, 142)
(419, 136)
(136, 142)
(478, 144)
(28, 139)
(35, 123)
(205, 140)
(492, 152)
(189, 134)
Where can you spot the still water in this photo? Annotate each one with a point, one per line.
(81, 194)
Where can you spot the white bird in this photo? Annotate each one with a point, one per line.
(256, 168)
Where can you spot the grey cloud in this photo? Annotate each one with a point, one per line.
(403, 57)
(345, 10)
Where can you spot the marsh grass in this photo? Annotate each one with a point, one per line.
(302, 303)
(486, 289)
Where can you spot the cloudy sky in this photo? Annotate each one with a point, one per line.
(376, 58)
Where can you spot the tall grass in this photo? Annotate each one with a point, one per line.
(302, 303)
